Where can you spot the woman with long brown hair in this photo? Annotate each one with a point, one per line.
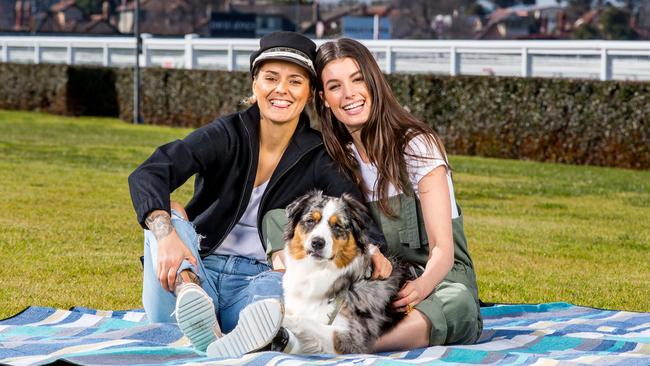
(401, 166)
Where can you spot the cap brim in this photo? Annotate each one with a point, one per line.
(263, 58)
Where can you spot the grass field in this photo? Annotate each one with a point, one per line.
(538, 232)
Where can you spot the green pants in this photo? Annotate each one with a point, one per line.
(453, 314)
(452, 308)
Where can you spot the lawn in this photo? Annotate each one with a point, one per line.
(538, 232)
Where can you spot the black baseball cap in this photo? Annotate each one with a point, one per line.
(286, 46)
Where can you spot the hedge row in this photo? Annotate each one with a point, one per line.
(557, 120)
(187, 98)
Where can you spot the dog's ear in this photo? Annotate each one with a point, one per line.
(361, 221)
(296, 210)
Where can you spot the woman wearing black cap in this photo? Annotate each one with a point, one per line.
(205, 263)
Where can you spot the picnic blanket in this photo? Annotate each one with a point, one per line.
(543, 334)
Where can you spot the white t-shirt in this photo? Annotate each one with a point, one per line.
(244, 239)
(428, 157)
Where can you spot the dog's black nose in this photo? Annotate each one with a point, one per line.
(318, 243)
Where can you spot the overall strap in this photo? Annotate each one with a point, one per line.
(338, 301)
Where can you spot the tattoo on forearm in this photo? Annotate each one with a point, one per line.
(160, 224)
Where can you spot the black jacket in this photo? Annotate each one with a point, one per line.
(224, 155)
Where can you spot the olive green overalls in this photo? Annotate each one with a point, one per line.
(453, 307)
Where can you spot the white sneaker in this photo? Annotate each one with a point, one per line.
(258, 324)
(196, 317)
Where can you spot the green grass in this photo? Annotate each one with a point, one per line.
(538, 232)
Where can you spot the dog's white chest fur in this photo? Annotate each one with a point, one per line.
(305, 291)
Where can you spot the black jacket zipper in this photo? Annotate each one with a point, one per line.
(272, 185)
(248, 172)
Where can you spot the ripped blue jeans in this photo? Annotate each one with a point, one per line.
(231, 281)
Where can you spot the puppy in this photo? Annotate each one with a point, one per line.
(331, 305)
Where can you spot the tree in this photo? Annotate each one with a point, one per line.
(615, 24)
(586, 31)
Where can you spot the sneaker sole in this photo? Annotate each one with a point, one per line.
(258, 323)
(196, 319)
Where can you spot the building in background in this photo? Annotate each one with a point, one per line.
(396, 19)
(524, 22)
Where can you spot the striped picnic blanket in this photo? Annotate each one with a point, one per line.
(544, 334)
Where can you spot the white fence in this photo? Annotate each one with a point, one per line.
(604, 60)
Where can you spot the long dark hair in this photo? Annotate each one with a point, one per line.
(385, 135)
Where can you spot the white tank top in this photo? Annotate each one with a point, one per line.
(430, 158)
(244, 239)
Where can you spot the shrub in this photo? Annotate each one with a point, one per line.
(558, 120)
(33, 87)
(188, 98)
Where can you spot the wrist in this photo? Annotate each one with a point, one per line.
(160, 224)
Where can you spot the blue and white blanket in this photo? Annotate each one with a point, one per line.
(545, 334)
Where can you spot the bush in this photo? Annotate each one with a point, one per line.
(33, 87)
(558, 120)
(187, 98)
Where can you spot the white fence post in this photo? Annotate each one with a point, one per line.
(389, 60)
(605, 64)
(526, 67)
(189, 50)
(37, 53)
(454, 62)
(69, 57)
(146, 55)
(231, 58)
(106, 56)
(5, 52)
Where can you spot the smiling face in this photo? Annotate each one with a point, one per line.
(346, 93)
(282, 89)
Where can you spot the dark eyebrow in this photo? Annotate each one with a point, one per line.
(331, 81)
(353, 75)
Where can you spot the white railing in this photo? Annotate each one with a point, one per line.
(604, 60)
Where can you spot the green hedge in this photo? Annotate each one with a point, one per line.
(31, 87)
(188, 98)
(557, 120)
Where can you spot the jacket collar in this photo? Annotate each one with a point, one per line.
(304, 138)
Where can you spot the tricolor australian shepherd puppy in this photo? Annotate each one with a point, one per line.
(331, 305)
